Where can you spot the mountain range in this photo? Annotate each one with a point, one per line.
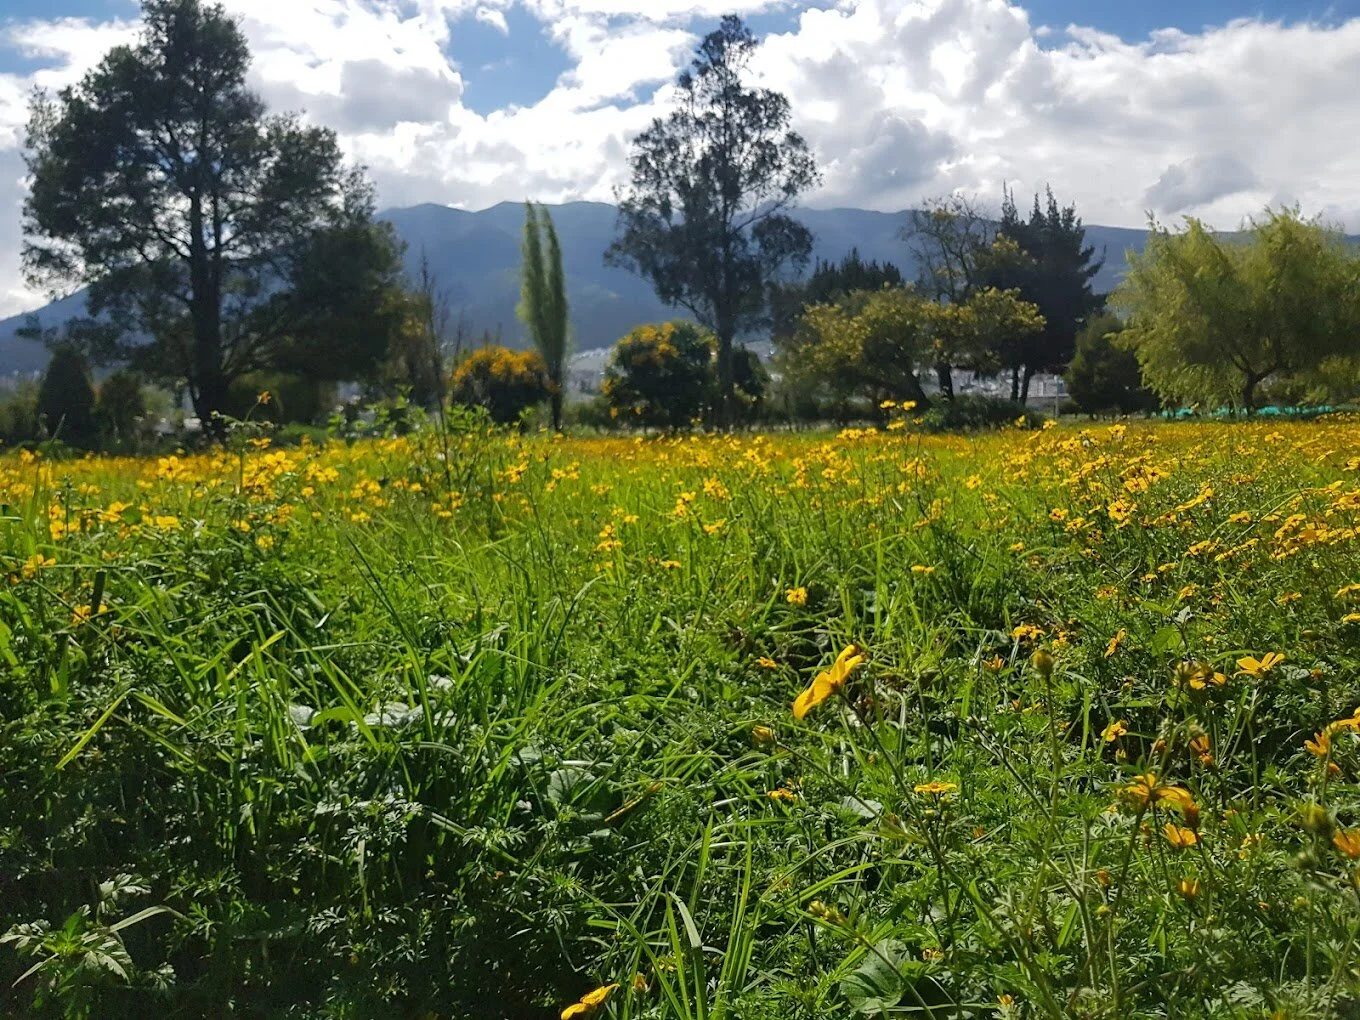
(475, 256)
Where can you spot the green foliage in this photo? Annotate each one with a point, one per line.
(1104, 377)
(829, 282)
(507, 383)
(972, 413)
(1052, 268)
(478, 724)
(238, 241)
(873, 345)
(66, 401)
(705, 217)
(121, 405)
(19, 414)
(543, 300)
(1211, 318)
(661, 376)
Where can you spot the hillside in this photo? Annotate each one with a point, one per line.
(476, 257)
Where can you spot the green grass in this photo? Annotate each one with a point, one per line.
(475, 725)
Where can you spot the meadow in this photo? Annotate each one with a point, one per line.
(1037, 723)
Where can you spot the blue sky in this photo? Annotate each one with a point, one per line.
(474, 102)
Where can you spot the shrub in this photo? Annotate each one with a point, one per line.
(19, 415)
(1105, 377)
(970, 413)
(661, 375)
(503, 381)
(120, 405)
(66, 399)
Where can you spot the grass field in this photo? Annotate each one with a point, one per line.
(490, 726)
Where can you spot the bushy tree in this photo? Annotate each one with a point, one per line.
(543, 300)
(236, 241)
(1049, 262)
(66, 399)
(661, 375)
(875, 344)
(505, 382)
(829, 281)
(1210, 318)
(120, 405)
(705, 216)
(1104, 377)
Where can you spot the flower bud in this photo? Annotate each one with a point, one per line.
(1042, 661)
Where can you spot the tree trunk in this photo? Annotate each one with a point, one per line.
(725, 409)
(1015, 384)
(557, 407)
(944, 375)
(1024, 384)
(205, 311)
(1249, 393)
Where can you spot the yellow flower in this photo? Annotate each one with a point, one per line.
(264, 397)
(1321, 744)
(589, 1002)
(829, 681)
(1347, 841)
(1251, 666)
(1189, 888)
(670, 564)
(922, 569)
(762, 736)
(796, 596)
(782, 794)
(1178, 837)
(1114, 731)
(1115, 642)
(935, 788)
(1026, 632)
(766, 662)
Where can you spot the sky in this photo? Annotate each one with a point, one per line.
(1128, 108)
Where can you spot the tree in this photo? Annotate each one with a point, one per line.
(1103, 376)
(705, 216)
(236, 241)
(661, 376)
(830, 281)
(66, 399)
(543, 300)
(869, 344)
(121, 404)
(1210, 318)
(1052, 267)
(946, 237)
(505, 382)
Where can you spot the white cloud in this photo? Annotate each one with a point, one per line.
(494, 18)
(900, 99)
(1198, 181)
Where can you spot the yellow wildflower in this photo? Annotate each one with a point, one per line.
(796, 596)
(589, 1002)
(828, 682)
(1179, 837)
(1251, 666)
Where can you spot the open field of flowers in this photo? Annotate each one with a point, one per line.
(1043, 723)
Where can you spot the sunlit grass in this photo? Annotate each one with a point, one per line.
(485, 724)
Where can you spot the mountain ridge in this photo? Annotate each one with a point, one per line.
(475, 257)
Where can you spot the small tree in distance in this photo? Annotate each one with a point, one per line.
(505, 382)
(660, 376)
(543, 300)
(705, 215)
(1104, 377)
(66, 399)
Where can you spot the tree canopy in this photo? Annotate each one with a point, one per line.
(233, 241)
(705, 216)
(1211, 317)
(543, 299)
